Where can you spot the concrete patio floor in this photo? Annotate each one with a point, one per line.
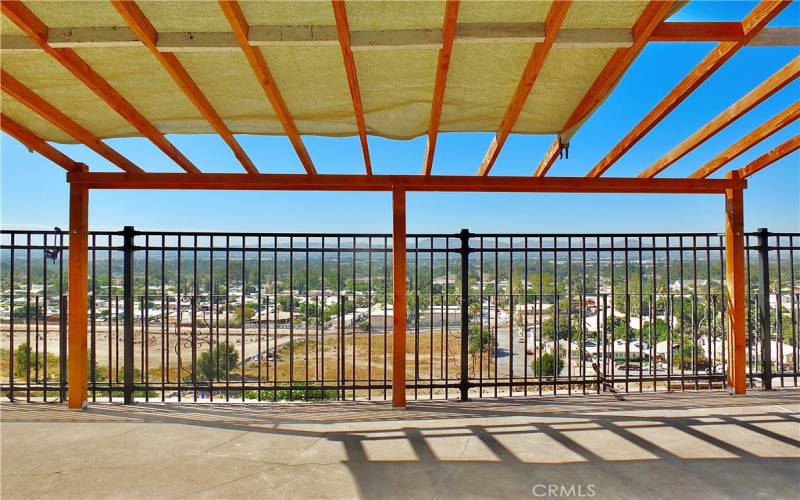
(681, 445)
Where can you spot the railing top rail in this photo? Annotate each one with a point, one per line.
(310, 234)
(380, 242)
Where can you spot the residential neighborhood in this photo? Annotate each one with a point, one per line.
(614, 329)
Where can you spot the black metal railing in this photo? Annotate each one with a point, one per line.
(272, 316)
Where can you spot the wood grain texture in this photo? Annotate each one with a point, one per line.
(762, 14)
(399, 290)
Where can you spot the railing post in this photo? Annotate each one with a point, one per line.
(145, 336)
(62, 347)
(343, 346)
(127, 301)
(763, 307)
(464, 251)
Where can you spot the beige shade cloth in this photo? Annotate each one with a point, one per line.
(396, 84)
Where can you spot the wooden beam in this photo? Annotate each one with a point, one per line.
(233, 12)
(725, 32)
(698, 32)
(652, 15)
(773, 125)
(343, 29)
(770, 157)
(77, 298)
(442, 67)
(35, 143)
(442, 183)
(320, 35)
(92, 36)
(26, 96)
(781, 36)
(326, 35)
(556, 15)
(145, 31)
(513, 32)
(764, 12)
(594, 38)
(549, 158)
(734, 283)
(37, 31)
(399, 306)
(396, 39)
(773, 84)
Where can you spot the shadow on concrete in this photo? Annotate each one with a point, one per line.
(662, 445)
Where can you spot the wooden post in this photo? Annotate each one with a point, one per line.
(734, 277)
(399, 277)
(77, 292)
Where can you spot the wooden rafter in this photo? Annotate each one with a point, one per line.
(770, 157)
(343, 30)
(774, 83)
(145, 31)
(35, 143)
(771, 126)
(26, 96)
(429, 183)
(652, 16)
(442, 67)
(556, 15)
(762, 14)
(37, 31)
(549, 158)
(233, 12)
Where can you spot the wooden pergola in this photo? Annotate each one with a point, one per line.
(66, 47)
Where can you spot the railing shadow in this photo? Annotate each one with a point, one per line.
(660, 445)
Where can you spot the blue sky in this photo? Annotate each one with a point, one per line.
(35, 195)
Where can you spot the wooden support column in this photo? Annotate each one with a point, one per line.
(399, 280)
(734, 278)
(77, 292)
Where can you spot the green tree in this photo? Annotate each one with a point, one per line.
(621, 330)
(564, 328)
(214, 363)
(684, 357)
(308, 309)
(661, 329)
(100, 372)
(788, 333)
(334, 309)
(478, 339)
(548, 364)
(24, 360)
(237, 314)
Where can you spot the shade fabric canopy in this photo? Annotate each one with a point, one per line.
(85, 71)
(395, 45)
